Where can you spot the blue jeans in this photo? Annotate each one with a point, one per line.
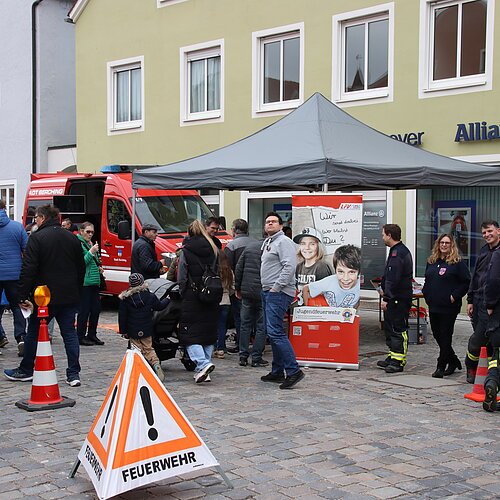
(90, 307)
(65, 317)
(201, 355)
(11, 293)
(222, 327)
(275, 305)
(252, 318)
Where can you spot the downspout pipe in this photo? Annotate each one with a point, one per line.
(34, 86)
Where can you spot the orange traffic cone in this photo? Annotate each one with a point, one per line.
(45, 393)
(478, 393)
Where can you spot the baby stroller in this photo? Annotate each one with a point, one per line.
(165, 323)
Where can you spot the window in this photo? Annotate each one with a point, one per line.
(166, 3)
(456, 41)
(363, 55)
(7, 195)
(116, 212)
(202, 71)
(126, 95)
(278, 69)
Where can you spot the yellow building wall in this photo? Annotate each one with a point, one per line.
(109, 30)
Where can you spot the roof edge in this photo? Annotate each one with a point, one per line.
(77, 9)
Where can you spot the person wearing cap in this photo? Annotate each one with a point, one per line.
(311, 265)
(135, 318)
(144, 260)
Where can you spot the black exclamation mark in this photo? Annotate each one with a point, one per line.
(109, 410)
(146, 403)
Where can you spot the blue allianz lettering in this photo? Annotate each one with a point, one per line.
(476, 131)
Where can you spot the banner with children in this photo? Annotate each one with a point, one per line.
(327, 230)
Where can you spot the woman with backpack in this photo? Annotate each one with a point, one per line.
(201, 291)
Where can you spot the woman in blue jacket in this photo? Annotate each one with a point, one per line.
(447, 279)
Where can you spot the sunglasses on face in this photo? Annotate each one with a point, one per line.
(88, 231)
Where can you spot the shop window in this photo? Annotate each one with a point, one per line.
(455, 211)
(125, 95)
(458, 44)
(201, 82)
(363, 54)
(278, 69)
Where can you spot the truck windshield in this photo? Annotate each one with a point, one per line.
(172, 214)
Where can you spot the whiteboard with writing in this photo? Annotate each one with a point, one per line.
(338, 226)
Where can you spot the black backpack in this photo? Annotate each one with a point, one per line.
(209, 289)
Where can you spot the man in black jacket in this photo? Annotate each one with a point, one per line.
(396, 300)
(476, 308)
(144, 259)
(249, 289)
(53, 257)
(492, 304)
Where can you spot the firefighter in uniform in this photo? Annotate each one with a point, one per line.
(476, 308)
(396, 289)
(492, 303)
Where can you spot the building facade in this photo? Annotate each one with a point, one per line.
(37, 94)
(171, 79)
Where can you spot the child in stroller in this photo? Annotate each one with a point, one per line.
(165, 323)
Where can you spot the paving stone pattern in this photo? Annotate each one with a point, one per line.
(346, 434)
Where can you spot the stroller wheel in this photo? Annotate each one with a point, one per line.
(189, 365)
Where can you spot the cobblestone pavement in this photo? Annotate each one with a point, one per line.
(346, 434)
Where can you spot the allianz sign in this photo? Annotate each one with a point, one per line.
(476, 131)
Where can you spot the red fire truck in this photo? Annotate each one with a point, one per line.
(105, 199)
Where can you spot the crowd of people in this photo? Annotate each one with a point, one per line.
(255, 281)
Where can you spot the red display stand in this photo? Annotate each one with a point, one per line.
(325, 344)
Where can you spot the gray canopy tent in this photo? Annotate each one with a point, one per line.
(316, 145)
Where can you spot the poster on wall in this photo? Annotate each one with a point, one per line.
(457, 219)
(327, 229)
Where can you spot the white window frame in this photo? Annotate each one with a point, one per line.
(339, 23)
(258, 38)
(6, 185)
(113, 67)
(192, 52)
(167, 3)
(428, 88)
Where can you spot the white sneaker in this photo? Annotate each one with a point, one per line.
(203, 374)
(159, 372)
(74, 383)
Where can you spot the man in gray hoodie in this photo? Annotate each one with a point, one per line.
(277, 273)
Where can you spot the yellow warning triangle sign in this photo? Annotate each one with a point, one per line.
(140, 435)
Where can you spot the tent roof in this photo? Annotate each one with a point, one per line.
(316, 144)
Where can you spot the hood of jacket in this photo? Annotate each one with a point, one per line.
(4, 219)
(199, 246)
(130, 291)
(270, 239)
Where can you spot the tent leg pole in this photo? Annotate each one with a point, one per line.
(230, 485)
(325, 188)
(74, 468)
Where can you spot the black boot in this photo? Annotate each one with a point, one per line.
(439, 373)
(453, 365)
(490, 398)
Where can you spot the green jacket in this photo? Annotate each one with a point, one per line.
(92, 274)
